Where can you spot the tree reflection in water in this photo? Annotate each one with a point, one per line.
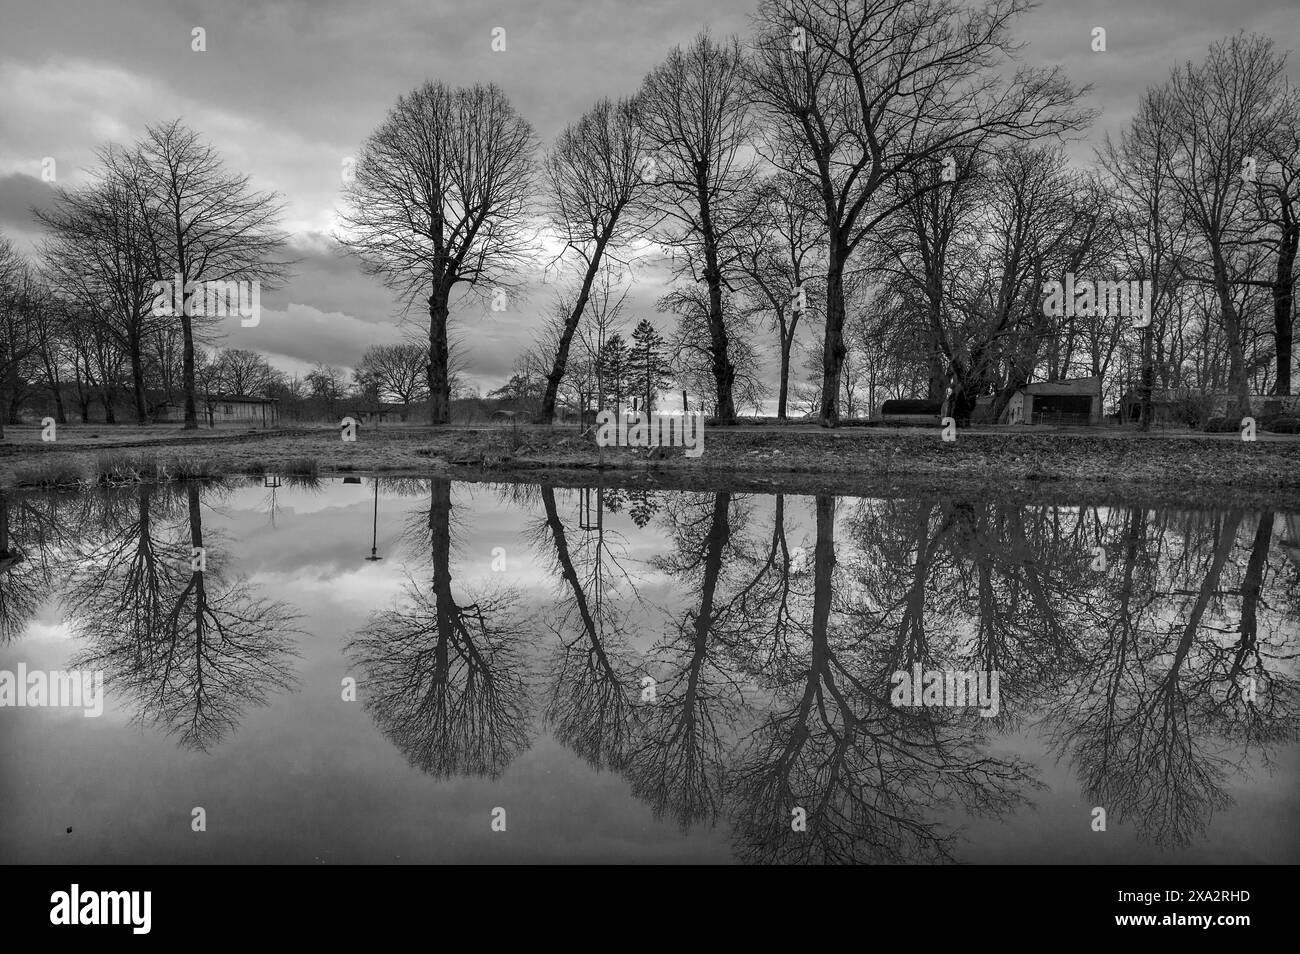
(191, 648)
(445, 678)
(1152, 651)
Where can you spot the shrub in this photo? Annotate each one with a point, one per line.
(122, 468)
(49, 473)
(1191, 409)
(1285, 424)
(1222, 425)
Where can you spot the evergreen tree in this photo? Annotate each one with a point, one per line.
(612, 369)
(648, 369)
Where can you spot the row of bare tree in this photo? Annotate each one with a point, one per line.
(164, 209)
(885, 168)
(881, 173)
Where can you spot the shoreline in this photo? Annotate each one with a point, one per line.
(1192, 469)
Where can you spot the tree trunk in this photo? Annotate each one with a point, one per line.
(60, 413)
(833, 352)
(439, 385)
(937, 384)
(1283, 298)
(783, 394)
(137, 382)
(1237, 385)
(52, 379)
(724, 372)
(1148, 379)
(187, 364)
(106, 397)
(4, 523)
(649, 383)
(561, 362)
(10, 408)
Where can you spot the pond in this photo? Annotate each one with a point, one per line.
(414, 670)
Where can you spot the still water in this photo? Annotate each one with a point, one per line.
(644, 676)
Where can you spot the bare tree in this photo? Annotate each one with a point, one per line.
(206, 223)
(441, 197)
(20, 296)
(861, 92)
(447, 678)
(1277, 211)
(692, 354)
(399, 370)
(191, 648)
(1224, 112)
(99, 249)
(695, 108)
(779, 260)
(594, 176)
(244, 373)
(327, 384)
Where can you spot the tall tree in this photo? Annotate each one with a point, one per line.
(1224, 112)
(861, 92)
(99, 249)
(779, 260)
(1277, 211)
(595, 180)
(207, 225)
(1153, 239)
(20, 296)
(695, 107)
(441, 197)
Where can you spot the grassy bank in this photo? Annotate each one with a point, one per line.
(1164, 465)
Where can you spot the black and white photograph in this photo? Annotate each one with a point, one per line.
(672, 433)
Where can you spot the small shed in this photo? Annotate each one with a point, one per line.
(225, 409)
(1075, 401)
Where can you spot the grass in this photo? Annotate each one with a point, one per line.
(801, 453)
(195, 468)
(120, 467)
(49, 473)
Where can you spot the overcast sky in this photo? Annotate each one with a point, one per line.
(287, 90)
